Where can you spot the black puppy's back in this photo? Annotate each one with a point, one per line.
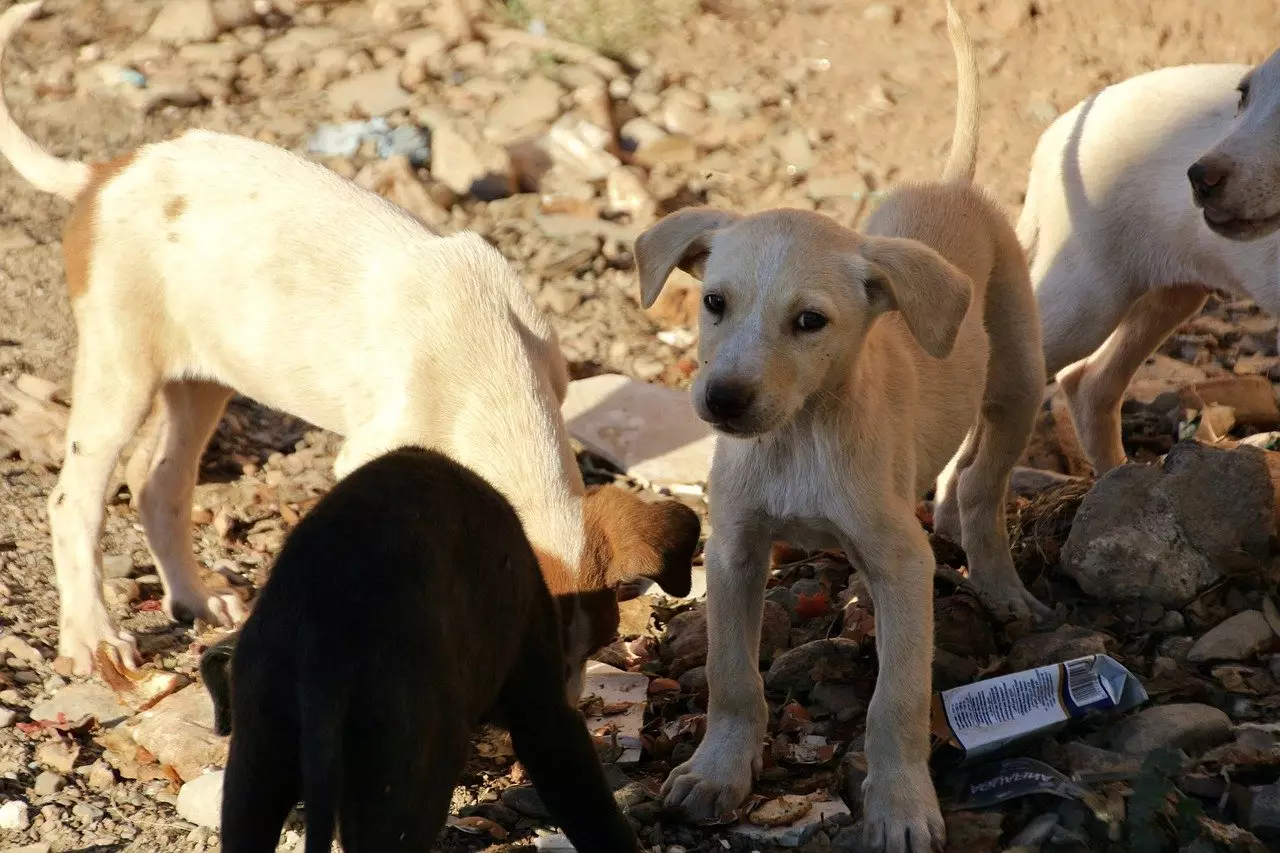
(404, 608)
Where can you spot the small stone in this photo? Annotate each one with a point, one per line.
(200, 800)
(48, 783)
(794, 150)
(184, 22)
(801, 668)
(1191, 727)
(1063, 644)
(14, 646)
(1262, 816)
(101, 776)
(882, 13)
(525, 800)
(373, 93)
(638, 132)
(13, 816)
(694, 680)
(120, 591)
(838, 186)
(842, 700)
(536, 103)
(669, 150)
(81, 699)
(1238, 638)
(7, 717)
(116, 566)
(87, 813)
(625, 192)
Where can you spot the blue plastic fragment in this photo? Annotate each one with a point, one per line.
(345, 139)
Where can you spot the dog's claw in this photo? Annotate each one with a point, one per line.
(716, 780)
(221, 607)
(78, 641)
(902, 815)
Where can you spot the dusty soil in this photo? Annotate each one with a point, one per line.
(856, 94)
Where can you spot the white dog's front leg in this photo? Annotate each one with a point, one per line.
(719, 775)
(900, 805)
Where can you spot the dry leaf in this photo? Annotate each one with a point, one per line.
(781, 812)
(476, 825)
(138, 689)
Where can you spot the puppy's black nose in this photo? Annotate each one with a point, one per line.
(1207, 179)
(728, 400)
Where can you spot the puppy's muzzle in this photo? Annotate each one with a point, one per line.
(727, 401)
(1208, 181)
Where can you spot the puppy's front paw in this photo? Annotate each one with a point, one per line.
(79, 637)
(901, 813)
(1012, 602)
(716, 780)
(217, 607)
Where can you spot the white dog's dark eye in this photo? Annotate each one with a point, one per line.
(810, 321)
(714, 303)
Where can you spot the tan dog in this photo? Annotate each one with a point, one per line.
(213, 262)
(842, 371)
(1119, 254)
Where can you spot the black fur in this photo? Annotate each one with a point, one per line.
(406, 608)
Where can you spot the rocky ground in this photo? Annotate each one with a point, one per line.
(559, 129)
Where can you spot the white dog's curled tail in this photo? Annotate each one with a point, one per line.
(47, 173)
(962, 163)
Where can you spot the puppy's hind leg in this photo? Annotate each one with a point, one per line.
(551, 740)
(190, 413)
(1095, 386)
(262, 781)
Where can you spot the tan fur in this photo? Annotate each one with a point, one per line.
(77, 231)
(929, 364)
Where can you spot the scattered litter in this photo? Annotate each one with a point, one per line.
(344, 140)
(476, 825)
(980, 719)
(133, 77)
(803, 827)
(1007, 779)
(616, 689)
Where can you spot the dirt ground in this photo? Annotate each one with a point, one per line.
(776, 97)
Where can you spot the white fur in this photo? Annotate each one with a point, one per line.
(1119, 254)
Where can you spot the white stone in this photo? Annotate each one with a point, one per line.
(13, 816)
(200, 800)
(649, 431)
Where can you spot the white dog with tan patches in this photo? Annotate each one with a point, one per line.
(213, 262)
(1120, 256)
(842, 371)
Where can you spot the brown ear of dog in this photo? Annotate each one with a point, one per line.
(930, 292)
(681, 239)
(630, 539)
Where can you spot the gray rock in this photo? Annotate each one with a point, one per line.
(7, 717)
(200, 800)
(87, 813)
(1082, 759)
(799, 669)
(1262, 816)
(694, 680)
(14, 817)
(81, 699)
(686, 635)
(48, 783)
(116, 566)
(1238, 638)
(1164, 533)
(1065, 643)
(1190, 727)
(525, 799)
(842, 700)
(535, 103)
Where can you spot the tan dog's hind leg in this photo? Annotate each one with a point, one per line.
(1095, 386)
(900, 804)
(111, 395)
(191, 412)
(719, 775)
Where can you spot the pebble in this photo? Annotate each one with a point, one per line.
(1262, 816)
(7, 717)
(1190, 727)
(799, 669)
(373, 93)
(116, 566)
(1238, 638)
(13, 816)
(87, 813)
(200, 800)
(48, 783)
(536, 102)
(80, 699)
(184, 22)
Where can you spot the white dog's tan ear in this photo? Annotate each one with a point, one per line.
(930, 292)
(629, 539)
(681, 239)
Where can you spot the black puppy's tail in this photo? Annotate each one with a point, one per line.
(215, 672)
(321, 748)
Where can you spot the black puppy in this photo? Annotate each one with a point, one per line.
(404, 610)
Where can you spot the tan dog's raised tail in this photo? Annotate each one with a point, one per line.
(842, 372)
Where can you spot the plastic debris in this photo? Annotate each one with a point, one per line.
(344, 140)
(980, 719)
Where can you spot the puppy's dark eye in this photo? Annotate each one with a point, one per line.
(810, 321)
(1243, 89)
(714, 303)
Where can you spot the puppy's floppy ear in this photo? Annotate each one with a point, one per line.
(643, 540)
(215, 671)
(930, 292)
(681, 239)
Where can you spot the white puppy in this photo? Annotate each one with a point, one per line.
(1119, 255)
(213, 262)
(842, 371)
